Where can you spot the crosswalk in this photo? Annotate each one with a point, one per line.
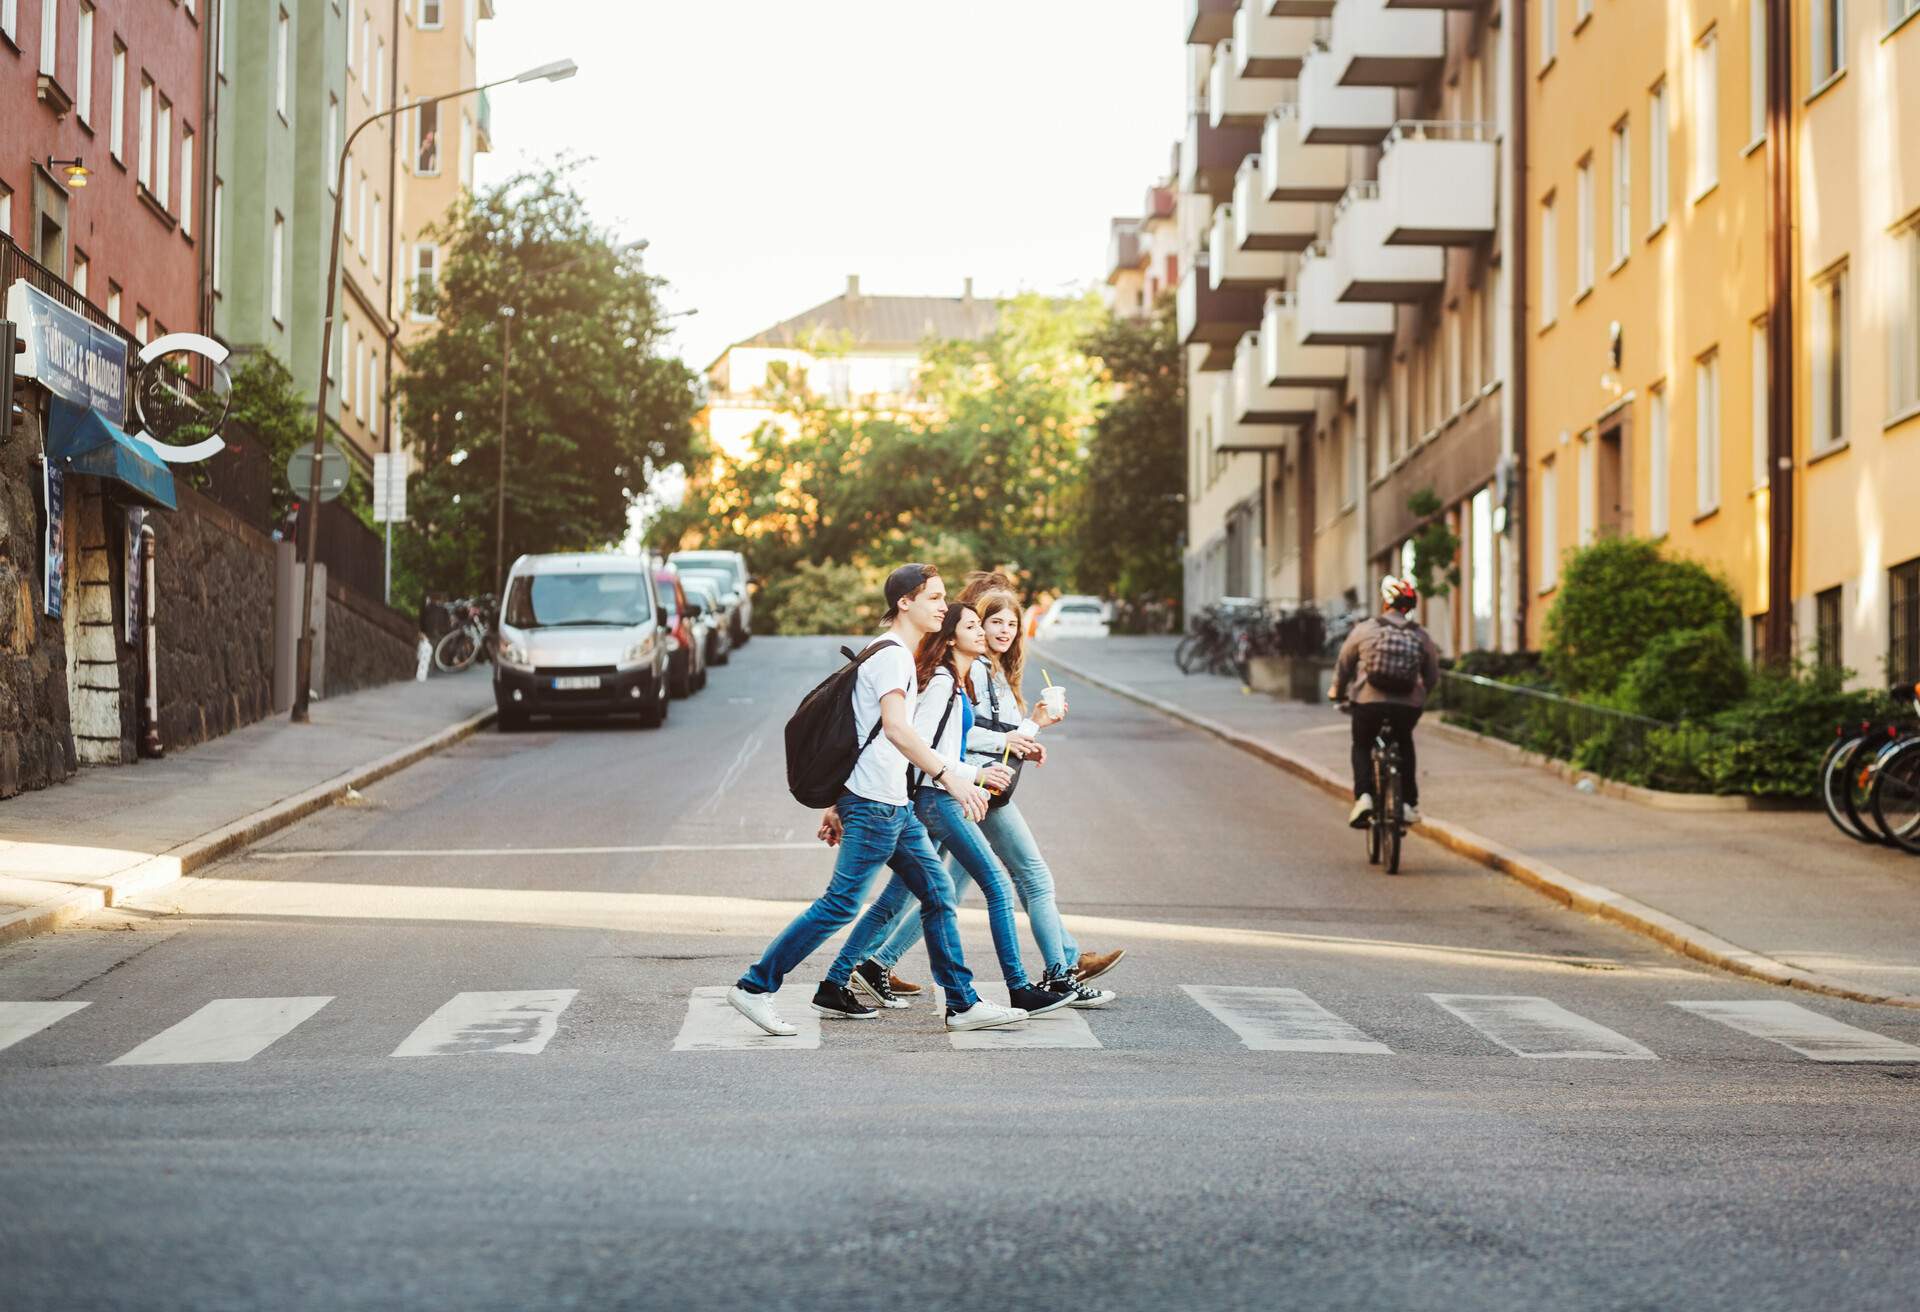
(1263, 1019)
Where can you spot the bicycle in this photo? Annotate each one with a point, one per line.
(470, 637)
(1385, 827)
(1893, 794)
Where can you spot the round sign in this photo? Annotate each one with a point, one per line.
(333, 473)
(181, 395)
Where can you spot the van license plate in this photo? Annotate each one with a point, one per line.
(576, 681)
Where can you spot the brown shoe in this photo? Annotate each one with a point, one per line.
(1095, 964)
(902, 987)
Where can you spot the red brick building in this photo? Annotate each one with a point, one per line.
(120, 85)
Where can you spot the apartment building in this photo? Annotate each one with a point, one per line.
(1143, 254)
(1345, 210)
(440, 144)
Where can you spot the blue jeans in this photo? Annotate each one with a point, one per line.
(949, 828)
(1006, 832)
(877, 834)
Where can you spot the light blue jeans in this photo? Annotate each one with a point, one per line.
(1006, 832)
(949, 828)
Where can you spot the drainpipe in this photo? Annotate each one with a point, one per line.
(395, 128)
(210, 38)
(1780, 355)
(150, 744)
(1515, 259)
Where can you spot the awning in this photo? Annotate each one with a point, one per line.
(83, 442)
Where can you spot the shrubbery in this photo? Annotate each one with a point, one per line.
(1614, 598)
(1684, 674)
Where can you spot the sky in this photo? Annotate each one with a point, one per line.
(766, 149)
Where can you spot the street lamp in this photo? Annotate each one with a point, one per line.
(557, 71)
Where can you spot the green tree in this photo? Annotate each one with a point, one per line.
(593, 408)
(1135, 499)
(267, 412)
(1614, 598)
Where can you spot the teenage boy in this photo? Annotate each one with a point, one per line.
(878, 827)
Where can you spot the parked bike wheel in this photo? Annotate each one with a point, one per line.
(1855, 769)
(1833, 788)
(1896, 795)
(1867, 763)
(1187, 654)
(456, 650)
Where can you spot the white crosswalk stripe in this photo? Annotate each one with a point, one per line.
(1805, 1031)
(1066, 1028)
(1281, 1020)
(1535, 1027)
(226, 1029)
(20, 1020)
(522, 1021)
(714, 1026)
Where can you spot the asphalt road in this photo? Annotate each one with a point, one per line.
(482, 1078)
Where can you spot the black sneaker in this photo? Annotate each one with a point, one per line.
(837, 1001)
(1074, 992)
(1038, 1002)
(870, 978)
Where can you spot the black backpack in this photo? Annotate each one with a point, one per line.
(823, 744)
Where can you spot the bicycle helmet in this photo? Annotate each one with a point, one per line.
(1399, 593)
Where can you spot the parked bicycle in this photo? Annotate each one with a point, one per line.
(1870, 779)
(471, 636)
(1228, 634)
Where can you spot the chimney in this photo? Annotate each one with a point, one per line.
(966, 293)
(853, 286)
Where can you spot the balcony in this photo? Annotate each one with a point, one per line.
(1270, 47)
(1291, 169)
(1285, 360)
(1237, 100)
(1437, 182)
(1260, 224)
(1214, 317)
(483, 139)
(1210, 156)
(1300, 8)
(1367, 269)
(1124, 249)
(1209, 22)
(1321, 318)
(1236, 268)
(1374, 45)
(1335, 115)
(1255, 401)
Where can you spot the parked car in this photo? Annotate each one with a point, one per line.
(686, 635)
(1074, 617)
(581, 634)
(735, 566)
(718, 648)
(725, 595)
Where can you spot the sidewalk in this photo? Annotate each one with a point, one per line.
(72, 848)
(1779, 894)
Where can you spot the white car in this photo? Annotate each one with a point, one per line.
(1074, 617)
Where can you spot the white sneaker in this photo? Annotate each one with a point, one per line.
(984, 1015)
(1409, 815)
(758, 1008)
(1362, 809)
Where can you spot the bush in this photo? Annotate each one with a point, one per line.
(1684, 674)
(1521, 667)
(821, 598)
(1770, 745)
(1617, 596)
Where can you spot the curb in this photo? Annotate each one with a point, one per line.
(184, 858)
(1568, 890)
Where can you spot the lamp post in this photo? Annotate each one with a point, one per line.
(556, 71)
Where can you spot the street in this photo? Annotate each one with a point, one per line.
(1320, 1086)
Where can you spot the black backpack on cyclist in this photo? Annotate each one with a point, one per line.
(823, 742)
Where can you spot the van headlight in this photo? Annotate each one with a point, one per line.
(639, 653)
(515, 655)
(673, 644)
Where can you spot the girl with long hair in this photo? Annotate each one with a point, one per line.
(942, 716)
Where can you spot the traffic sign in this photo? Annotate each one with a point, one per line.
(333, 473)
(390, 486)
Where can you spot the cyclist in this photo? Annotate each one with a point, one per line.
(1387, 666)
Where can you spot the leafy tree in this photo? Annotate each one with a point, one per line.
(1615, 597)
(1436, 547)
(592, 408)
(267, 413)
(1135, 499)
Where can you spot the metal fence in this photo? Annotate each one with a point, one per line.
(353, 553)
(1608, 742)
(239, 478)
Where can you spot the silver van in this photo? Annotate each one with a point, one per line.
(734, 566)
(581, 634)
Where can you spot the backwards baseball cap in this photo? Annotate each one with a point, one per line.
(904, 582)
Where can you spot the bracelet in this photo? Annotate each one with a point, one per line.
(937, 778)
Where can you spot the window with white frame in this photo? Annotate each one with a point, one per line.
(1757, 71)
(113, 301)
(426, 139)
(332, 130)
(1549, 524)
(186, 180)
(1659, 456)
(117, 103)
(218, 235)
(163, 154)
(144, 166)
(6, 210)
(1757, 335)
(377, 243)
(80, 271)
(362, 355)
(1706, 113)
(366, 53)
(1549, 31)
(142, 326)
(1903, 341)
(1898, 10)
(49, 36)
(83, 69)
(1828, 44)
(366, 207)
(1659, 167)
(469, 10)
(430, 13)
(1706, 433)
(1549, 258)
(282, 44)
(380, 71)
(426, 258)
(349, 29)
(1583, 227)
(373, 393)
(277, 288)
(1622, 193)
(1829, 312)
(10, 20)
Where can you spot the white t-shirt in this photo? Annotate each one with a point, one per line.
(880, 775)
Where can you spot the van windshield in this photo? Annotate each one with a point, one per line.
(553, 601)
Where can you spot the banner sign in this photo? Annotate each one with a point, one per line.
(54, 493)
(390, 486)
(136, 576)
(68, 354)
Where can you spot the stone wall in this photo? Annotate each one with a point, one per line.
(213, 608)
(367, 643)
(35, 748)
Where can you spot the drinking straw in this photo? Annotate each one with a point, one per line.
(1049, 677)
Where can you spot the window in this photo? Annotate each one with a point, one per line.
(1900, 9)
(1903, 341)
(330, 160)
(1456, 360)
(145, 144)
(1706, 433)
(1903, 632)
(349, 30)
(1829, 23)
(163, 155)
(219, 230)
(1549, 250)
(1582, 11)
(468, 8)
(113, 302)
(1549, 525)
(117, 128)
(426, 139)
(1762, 456)
(366, 204)
(1830, 361)
(338, 353)
(186, 181)
(376, 237)
(1756, 72)
(142, 329)
(1489, 325)
(1826, 628)
(1659, 496)
(466, 152)
(1706, 113)
(373, 394)
(1583, 226)
(79, 278)
(10, 19)
(430, 13)
(6, 210)
(220, 53)
(1659, 173)
(362, 357)
(50, 37)
(346, 208)
(380, 71)
(83, 71)
(278, 255)
(366, 52)
(282, 39)
(1622, 193)
(1549, 31)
